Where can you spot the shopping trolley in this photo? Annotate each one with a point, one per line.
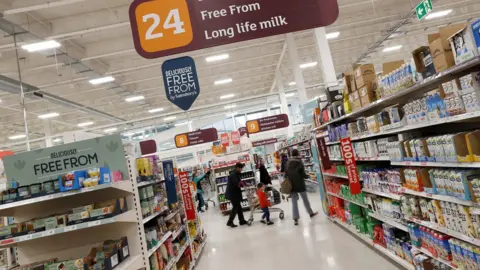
(274, 197)
(208, 192)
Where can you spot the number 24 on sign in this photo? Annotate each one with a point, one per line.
(163, 25)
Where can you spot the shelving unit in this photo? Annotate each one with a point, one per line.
(350, 201)
(335, 175)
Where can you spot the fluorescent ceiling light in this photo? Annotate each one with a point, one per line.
(86, 124)
(438, 14)
(333, 35)
(16, 137)
(292, 83)
(48, 115)
(225, 81)
(169, 118)
(134, 98)
(227, 96)
(276, 105)
(41, 46)
(109, 130)
(307, 65)
(155, 110)
(230, 106)
(393, 48)
(217, 57)
(57, 140)
(181, 124)
(167, 143)
(102, 80)
(290, 95)
(232, 114)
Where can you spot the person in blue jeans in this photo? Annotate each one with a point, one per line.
(295, 170)
(197, 179)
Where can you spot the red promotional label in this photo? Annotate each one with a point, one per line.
(264, 142)
(351, 165)
(235, 137)
(225, 139)
(187, 195)
(267, 123)
(167, 27)
(196, 137)
(324, 158)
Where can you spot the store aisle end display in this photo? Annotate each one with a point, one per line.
(420, 197)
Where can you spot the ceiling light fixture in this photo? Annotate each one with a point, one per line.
(134, 98)
(308, 65)
(102, 80)
(110, 130)
(225, 81)
(438, 14)
(48, 115)
(16, 137)
(292, 83)
(86, 124)
(232, 114)
(170, 118)
(217, 57)
(57, 140)
(276, 105)
(155, 110)
(181, 124)
(393, 48)
(290, 95)
(227, 96)
(230, 106)
(333, 35)
(41, 46)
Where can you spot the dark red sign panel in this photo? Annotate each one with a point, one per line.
(351, 165)
(187, 195)
(267, 123)
(264, 142)
(167, 27)
(243, 131)
(148, 147)
(324, 158)
(196, 137)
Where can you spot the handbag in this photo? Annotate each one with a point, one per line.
(286, 186)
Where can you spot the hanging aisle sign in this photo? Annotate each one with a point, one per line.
(351, 165)
(181, 81)
(196, 137)
(187, 195)
(267, 123)
(167, 27)
(264, 142)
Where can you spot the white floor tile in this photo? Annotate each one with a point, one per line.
(314, 244)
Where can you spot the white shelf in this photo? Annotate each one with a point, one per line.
(369, 241)
(129, 216)
(132, 262)
(147, 219)
(117, 189)
(389, 221)
(178, 232)
(429, 254)
(147, 183)
(335, 175)
(444, 198)
(444, 230)
(160, 243)
(364, 159)
(171, 215)
(248, 178)
(176, 259)
(383, 194)
(354, 202)
(221, 184)
(437, 164)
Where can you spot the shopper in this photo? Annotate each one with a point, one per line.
(264, 204)
(234, 194)
(265, 177)
(295, 170)
(197, 179)
(283, 161)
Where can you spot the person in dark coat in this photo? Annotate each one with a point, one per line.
(283, 161)
(295, 170)
(265, 177)
(234, 194)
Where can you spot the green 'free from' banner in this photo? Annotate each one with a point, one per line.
(47, 164)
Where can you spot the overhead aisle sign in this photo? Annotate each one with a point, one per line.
(181, 81)
(196, 137)
(267, 123)
(166, 27)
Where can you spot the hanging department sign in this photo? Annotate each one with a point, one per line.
(167, 27)
(181, 81)
(267, 123)
(264, 142)
(187, 195)
(351, 165)
(48, 163)
(196, 137)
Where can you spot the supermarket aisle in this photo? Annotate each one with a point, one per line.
(314, 244)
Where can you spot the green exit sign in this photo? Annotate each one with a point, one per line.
(423, 8)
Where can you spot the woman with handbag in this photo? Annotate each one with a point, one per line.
(295, 173)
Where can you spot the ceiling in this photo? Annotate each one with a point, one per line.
(96, 41)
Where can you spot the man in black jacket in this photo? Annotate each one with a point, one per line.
(234, 194)
(295, 171)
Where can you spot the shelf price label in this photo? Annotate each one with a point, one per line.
(351, 165)
(167, 27)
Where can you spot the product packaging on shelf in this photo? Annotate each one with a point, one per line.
(463, 44)
(423, 61)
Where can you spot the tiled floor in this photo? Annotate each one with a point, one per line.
(314, 244)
